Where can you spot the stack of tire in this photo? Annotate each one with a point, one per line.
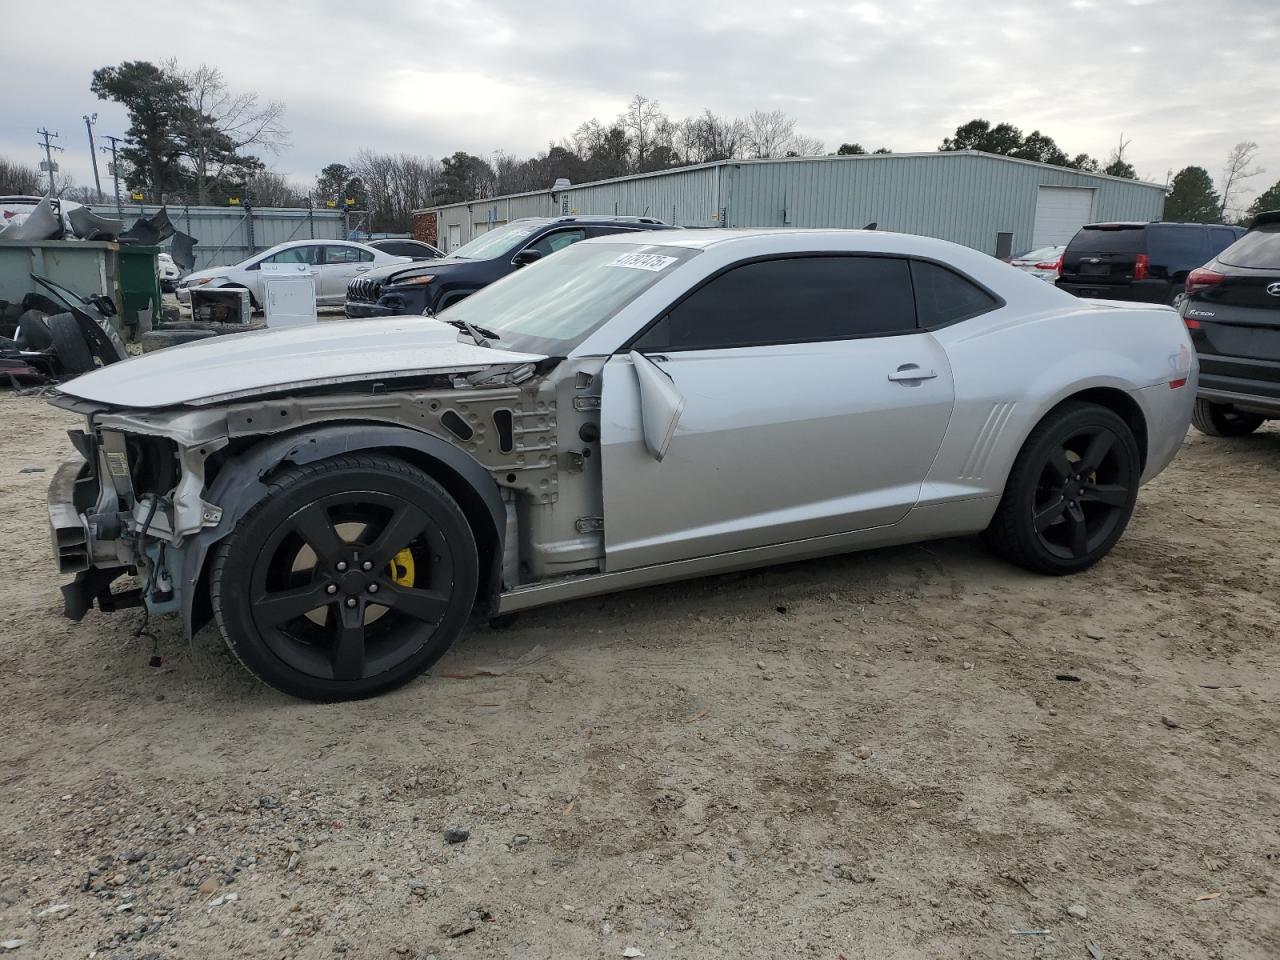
(43, 325)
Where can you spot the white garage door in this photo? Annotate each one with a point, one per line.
(1060, 212)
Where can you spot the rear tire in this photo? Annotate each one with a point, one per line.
(1070, 493)
(69, 345)
(293, 597)
(1224, 420)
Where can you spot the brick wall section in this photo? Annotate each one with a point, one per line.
(423, 227)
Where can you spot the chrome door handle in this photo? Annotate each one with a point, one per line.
(911, 372)
(361, 269)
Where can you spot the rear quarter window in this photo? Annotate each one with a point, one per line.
(943, 296)
(1258, 248)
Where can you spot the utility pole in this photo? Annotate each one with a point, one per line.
(89, 121)
(115, 171)
(49, 165)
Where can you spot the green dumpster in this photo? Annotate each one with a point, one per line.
(139, 289)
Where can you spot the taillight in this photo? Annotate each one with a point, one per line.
(1140, 267)
(1201, 279)
(1050, 265)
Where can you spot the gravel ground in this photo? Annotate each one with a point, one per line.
(916, 752)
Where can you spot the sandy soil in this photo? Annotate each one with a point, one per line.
(865, 757)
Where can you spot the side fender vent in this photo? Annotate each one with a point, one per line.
(503, 423)
(456, 425)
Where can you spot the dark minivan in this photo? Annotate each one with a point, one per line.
(1139, 261)
(1232, 310)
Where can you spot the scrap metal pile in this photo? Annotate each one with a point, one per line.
(64, 334)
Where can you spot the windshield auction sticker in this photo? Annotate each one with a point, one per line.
(643, 261)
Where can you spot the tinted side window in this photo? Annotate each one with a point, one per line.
(943, 296)
(345, 255)
(791, 300)
(1220, 238)
(556, 240)
(1177, 246)
(309, 254)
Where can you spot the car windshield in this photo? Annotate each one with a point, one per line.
(553, 305)
(497, 241)
(1257, 248)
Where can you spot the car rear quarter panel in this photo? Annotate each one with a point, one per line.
(1011, 369)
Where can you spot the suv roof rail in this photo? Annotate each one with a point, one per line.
(608, 218)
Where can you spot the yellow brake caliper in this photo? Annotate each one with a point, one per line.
(402, 568)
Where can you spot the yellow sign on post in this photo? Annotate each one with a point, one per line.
(136, 196)
(331, 204)
(350, 201)
(233, 201)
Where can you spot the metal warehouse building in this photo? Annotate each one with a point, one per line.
(996, 204)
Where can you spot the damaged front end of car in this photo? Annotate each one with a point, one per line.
(131, 503)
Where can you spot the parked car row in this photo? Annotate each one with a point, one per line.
(1225, 283)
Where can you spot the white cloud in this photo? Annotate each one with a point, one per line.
(479, 76)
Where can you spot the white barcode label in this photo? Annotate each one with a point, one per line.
(652, 262)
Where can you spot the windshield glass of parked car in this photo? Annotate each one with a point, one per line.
(495, 242)
(553, 305)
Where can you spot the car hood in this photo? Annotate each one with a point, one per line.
(227, 368)
(415, 268)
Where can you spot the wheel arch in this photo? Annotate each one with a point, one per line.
(1119, 402)
(242, 482)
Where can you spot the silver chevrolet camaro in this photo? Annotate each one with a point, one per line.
(635, 409)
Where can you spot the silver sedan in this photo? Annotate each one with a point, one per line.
(638, 408)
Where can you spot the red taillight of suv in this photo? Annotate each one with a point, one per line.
(1202, 278)
(1140, 267)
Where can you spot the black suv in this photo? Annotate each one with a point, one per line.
(1232, 310)
(1139, 261)
(429, 287)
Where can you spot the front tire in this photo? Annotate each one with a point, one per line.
(353, 576)
(1224, 420)
(1070, 493)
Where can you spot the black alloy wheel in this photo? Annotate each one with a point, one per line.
(353, 576)
(1071, 491)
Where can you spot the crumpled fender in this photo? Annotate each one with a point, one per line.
(242, 483)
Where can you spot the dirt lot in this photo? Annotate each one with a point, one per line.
(869, 757)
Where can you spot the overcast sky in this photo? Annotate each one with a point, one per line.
(1183, 80)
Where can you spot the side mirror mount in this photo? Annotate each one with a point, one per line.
(526, 257)
(661, 404)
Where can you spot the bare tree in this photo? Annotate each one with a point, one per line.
(18, 178)
(1238, 168)
(709, 137)
(223, 125)
(769, 134)
(642, 121)
(269, 188)
(802, 146)
(395, 185)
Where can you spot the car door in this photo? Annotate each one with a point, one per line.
(812, 405)
(342, 264)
